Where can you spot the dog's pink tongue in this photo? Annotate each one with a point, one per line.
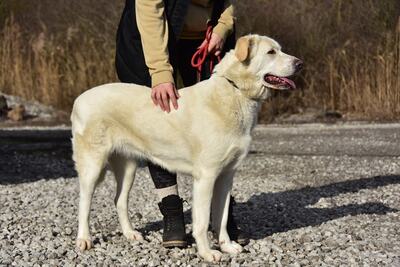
(290, 82)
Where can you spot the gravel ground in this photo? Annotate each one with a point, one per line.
(309, 195)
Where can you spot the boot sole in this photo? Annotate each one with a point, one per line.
(243, 242)
(175, 243)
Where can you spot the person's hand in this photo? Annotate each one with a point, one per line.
(216, 44)
(162, 93)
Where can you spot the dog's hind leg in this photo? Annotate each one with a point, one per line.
(219, 212)
(202, 194)
(90, 167)
(124, 171)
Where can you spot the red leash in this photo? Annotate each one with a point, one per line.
(201, 54)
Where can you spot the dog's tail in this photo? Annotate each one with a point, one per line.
(77, 125)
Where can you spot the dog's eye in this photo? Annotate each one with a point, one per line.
(271, 52)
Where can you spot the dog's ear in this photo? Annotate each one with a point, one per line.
(242, 48)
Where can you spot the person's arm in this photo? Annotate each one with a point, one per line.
(153, 28)
(221, 31)
(225, 23)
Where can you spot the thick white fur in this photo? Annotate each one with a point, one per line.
(207, 137)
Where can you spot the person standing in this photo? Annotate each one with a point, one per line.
(155, 41)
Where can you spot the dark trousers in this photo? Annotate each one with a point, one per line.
(160, 176)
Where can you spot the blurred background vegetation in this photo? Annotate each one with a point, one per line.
(52, 50)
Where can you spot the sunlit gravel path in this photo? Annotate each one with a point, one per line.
(309, 195)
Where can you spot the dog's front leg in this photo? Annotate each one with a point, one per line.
(202, 195)
(220, 208)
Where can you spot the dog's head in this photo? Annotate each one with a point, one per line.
(259, 64)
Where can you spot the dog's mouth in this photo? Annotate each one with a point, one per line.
(279, 83)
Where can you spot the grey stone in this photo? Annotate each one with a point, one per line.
(68, 231)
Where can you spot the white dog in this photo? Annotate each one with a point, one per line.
(207, 137)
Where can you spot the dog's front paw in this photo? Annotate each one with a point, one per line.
(211, 255)
(133, 236)
(231, 247)
(83, 244)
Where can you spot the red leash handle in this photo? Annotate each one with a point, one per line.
(201, 54)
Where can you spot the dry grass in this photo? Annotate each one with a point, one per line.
(53, 59)
(351, 50)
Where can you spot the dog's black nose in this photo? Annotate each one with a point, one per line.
(298, 64)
